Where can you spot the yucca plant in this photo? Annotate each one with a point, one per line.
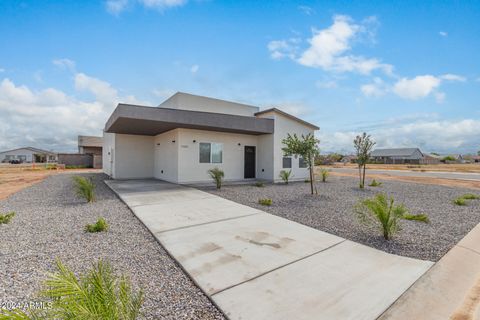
(217, 176)
(85, 188)
(325, 173)
(381, 212)
(470, 196)
(259, 184)
(7, 217)
(99, 226)
(416, 217)
(265, 202)
(375, 183)
(99, 294)
(285, 175)
(460, 201)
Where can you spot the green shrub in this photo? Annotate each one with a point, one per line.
(381, 212)
(98, 294)
(85, 188)
(265, 202)
(217, 176)
(259, 184)
(325, 173)
(460, 201)
(307, 181)
(416, 217)
(470, 196)
(374, 183)
(286, 175)
(76, 166)
(99, 226)
(7, 217)
(51, 166)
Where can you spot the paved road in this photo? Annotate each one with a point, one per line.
(427, 174)
(255, 265)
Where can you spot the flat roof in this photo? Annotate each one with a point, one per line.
(35, 150)
(142, 120)
(283, 113)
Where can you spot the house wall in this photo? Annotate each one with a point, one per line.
(187, 101)
(265, 157)
(190, 169)
(166, 156)
(131, 156)
(17, 153)
(284, 126)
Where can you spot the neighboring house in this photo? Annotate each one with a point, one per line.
(93, 146)
(429, 158)
(28, 155)
(185, 136)
(457, 158)
(397, 156)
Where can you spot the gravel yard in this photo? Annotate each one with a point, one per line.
(49, 224)
(332, 211)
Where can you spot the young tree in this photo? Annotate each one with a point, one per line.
(307, 148)
(363, 146)
(478, 153)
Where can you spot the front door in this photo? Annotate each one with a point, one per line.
(249, 162)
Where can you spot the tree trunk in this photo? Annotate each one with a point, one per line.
(360, 175)
(311, 179)
(363, 181)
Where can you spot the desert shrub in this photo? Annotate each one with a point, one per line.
(460, 201)
(85, 188)
(325, 173)
(416, 217)
(470, 196)
(307, 181)
(99, 226)
(51, 166)
(98, 294)
(259, 184)
(7, 217)
(375, 183)
(265, 202)
(380, 211)
(285, 175)
(217, 175)
(75, 166)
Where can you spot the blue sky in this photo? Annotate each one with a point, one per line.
(406, 72)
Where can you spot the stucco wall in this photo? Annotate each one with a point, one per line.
(133, 156)
(265, 157)
(198, 103)
(166, 156)
(191, 170)
(20, 152)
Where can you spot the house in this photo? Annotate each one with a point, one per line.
(186, 135)
(28, 155)
(397, 156)
(93, 146)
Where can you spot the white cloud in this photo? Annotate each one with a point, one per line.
(2, 70)
(194, 68)
(51, 119)
(330, 48)
(162, 4)
(452, 77)
(306, 10)
(116, 6)
(416, 88)
(283, 48)
(163, 93)
(436, 135)
(327, 84)
(443, 33)
(375, 89)
(65, 64)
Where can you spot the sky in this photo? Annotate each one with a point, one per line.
(406, 72)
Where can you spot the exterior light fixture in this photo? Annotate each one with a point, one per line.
(194, 141)
(173, 141)
(239, 144)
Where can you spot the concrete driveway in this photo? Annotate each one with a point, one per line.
(255, 265)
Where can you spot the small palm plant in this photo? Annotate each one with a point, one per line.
(285, 175)
(217, 176)
(381, 212)
(85, 188)
(265, 202)
(99, 294)
(7, 217)
(325, 173)
(375, 183)
(99, 226)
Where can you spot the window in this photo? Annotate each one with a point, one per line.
(211, 152)
(302, 163)
(287, 162)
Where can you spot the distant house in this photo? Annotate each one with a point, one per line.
(93, 146)
(397, 156)
(28, 155)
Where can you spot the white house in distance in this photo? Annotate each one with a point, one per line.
(28, 155)
(186, 135)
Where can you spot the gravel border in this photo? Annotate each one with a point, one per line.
(49, 224)
(332, 211)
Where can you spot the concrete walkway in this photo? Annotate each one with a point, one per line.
(255, 265)
(449, 290)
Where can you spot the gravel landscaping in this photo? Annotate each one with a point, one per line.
(332, 211)
(49, 224)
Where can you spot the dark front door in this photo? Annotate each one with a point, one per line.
(249, 162)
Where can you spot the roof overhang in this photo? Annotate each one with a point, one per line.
(150, 121)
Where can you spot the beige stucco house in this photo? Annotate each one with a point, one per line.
(186, 135)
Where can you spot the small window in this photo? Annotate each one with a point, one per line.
(287, 162)
(211, 152)
(205, 152)
(302, 163)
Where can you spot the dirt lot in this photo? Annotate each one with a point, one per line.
(14, 178)
(457, 167)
